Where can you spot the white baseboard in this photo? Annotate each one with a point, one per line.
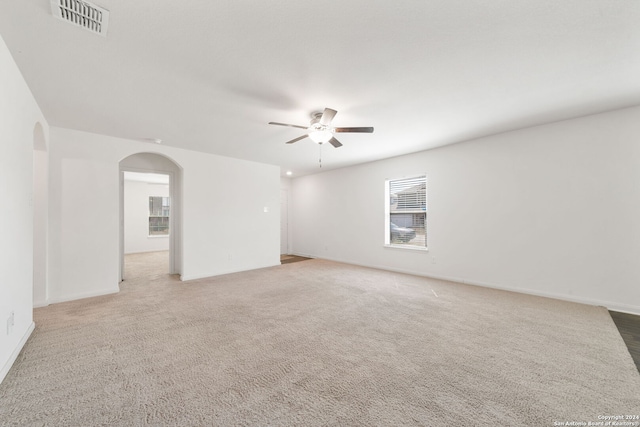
(148, 251)
(187, 277)
(83, 295)
(38, 304)
(7, 366)
(610, 305)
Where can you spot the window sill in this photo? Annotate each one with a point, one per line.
(407, 247)
(158, 236)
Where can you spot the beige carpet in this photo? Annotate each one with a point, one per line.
(317, 343)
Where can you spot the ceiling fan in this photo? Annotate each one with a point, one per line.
(320, 129)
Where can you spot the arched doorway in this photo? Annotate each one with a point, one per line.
(154, 163)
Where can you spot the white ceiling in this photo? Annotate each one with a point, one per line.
(208, 75)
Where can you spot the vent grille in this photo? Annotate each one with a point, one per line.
(83, 14)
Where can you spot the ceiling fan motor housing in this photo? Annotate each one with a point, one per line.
(315, 122)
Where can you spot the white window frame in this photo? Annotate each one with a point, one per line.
(387, 215)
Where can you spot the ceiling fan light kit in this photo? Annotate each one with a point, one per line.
(320, 130)
(321, 136)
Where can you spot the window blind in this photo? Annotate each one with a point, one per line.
(407, 211)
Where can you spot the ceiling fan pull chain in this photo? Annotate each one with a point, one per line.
(320, 155)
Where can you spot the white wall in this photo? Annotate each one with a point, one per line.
(551, 210)
(136, 217)
(40, 220)
(285, 215)
(225, 228)
(19, 115)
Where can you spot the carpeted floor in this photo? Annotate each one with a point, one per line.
(317, 343)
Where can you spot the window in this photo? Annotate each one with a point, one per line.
(159, 216)
(406, 212)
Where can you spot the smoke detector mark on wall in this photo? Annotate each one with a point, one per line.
(82, 14)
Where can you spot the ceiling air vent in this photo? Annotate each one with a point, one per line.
(83, 14)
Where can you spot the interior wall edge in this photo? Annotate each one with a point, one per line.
(23, 127)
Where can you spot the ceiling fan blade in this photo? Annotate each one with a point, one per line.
(286, 124)
(333, 141)
(296, 139)
(360, 130)
(327, 116)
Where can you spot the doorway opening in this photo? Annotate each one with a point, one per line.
(150, 216)
(147, 224)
